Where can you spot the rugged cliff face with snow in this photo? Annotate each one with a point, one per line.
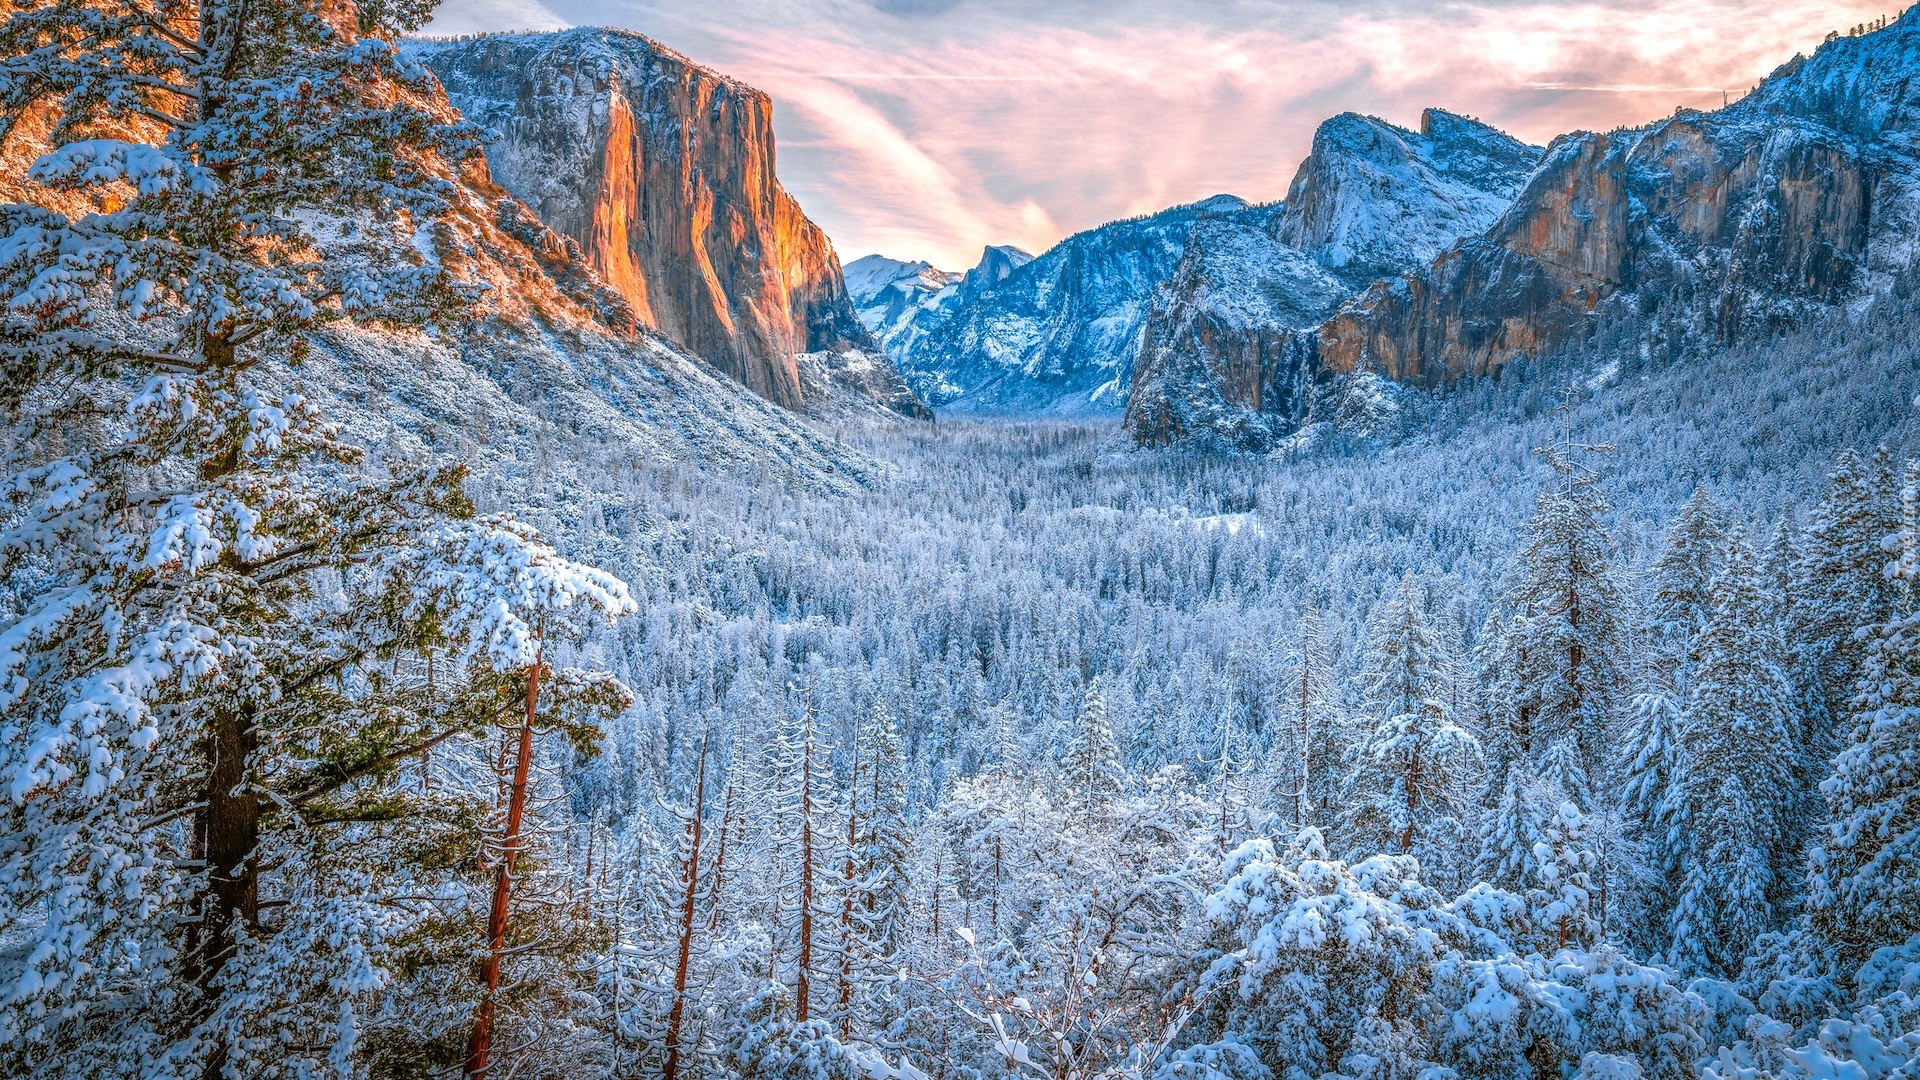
(1373, 199)
(1227, 347)
(662, 172)
(1799, 196)
(553, 377)
(1057, 333)
(899, 301)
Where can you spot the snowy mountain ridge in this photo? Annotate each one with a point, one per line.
(1065, 333)
(1803, 196)
(1056, 333)
(1222, 348)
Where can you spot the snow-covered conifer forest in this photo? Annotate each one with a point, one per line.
(372, 707)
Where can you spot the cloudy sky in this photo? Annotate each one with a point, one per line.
(928, 128)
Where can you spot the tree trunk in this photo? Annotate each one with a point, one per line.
(802, 986)
(846, 901)
(480, 1043)
(229, 831)
(690, 874)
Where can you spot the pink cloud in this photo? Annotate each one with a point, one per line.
(931, 135)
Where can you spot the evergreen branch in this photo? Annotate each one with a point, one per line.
(342, 775)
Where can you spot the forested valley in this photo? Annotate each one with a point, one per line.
(1563, 722)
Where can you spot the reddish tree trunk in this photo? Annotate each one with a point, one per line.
(846, 904)
(690, 874)
(480, 1043)
(803, 983)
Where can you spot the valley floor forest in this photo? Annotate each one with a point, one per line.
(1560, 722)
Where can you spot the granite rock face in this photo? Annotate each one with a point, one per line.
(663, 173)
(1229, 352)
(1801, 195)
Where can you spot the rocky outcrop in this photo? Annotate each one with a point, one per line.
(1223, 349)
(1058, 334)
(663, 173)
(997, 264)
(1801, 195)
(1229, 353)
(899, 302)
(1373, 199)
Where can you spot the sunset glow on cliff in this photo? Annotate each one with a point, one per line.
(928, 128)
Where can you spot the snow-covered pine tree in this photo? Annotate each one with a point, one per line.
(1678, 585)
(1652, 756)
(1559, 898)
(875, 887)
(800, 790)
(1863, 893)
(884, 889)
(686, 918)
(1560, 663)
(1515, 826)
(1735, 785)
(1410, 786)
(1651, 809)
(1090, 761)
(1316, 735)
(216, 674)
(1843, 587)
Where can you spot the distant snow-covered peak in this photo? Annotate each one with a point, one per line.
(1375, 198)
(997, 263)
(871, 276)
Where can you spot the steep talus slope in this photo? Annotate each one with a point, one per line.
(663, 173)
(1228, 345)
(1804, 194)
(1060, 333)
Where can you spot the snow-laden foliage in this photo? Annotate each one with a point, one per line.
(220, 651)
(1363, 970)
(1864, 892)
(1411, 780)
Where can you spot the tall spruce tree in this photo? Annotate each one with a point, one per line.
(1842, 587)
(1863, 893)
(1680, 582)
(1559, 666)
(218, 675)
(1317, 738)
(1735, 784)
(1090, 762)
(1411, 781)
(800, 786)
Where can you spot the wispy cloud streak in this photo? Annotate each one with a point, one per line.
(928, 128)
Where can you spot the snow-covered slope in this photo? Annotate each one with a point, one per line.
(1224, 346)
(900, 301)
(1058, 334)
(551, 378)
